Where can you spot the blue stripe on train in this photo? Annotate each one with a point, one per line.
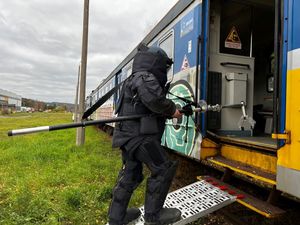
(294, 25)
(185, 31)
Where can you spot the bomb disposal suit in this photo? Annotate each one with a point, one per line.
(144, 92)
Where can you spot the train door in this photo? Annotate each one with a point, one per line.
(241, 71)
(185, 40)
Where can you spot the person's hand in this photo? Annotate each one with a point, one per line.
(177, 114)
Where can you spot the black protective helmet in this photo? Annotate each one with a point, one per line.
(156, 50)
(160, 51)
(154, 60)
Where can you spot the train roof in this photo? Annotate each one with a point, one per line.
(180, 6)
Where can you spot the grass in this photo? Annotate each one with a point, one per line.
(46, 179)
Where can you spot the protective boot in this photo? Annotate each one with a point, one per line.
(118, 206)
(131, 215)
(169, 175)
(165, 216)
(129, 178)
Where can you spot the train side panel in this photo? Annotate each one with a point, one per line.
(181, 135)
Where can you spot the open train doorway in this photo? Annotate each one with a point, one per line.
(241, 71)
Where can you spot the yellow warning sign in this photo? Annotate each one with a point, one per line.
(233, 40)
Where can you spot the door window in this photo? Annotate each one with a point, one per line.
(235, 34)
(167, 44)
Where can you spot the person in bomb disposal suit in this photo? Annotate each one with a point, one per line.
(144, 92)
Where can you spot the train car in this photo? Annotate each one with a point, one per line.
(245, 56)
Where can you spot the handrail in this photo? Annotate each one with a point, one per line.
(235, 64)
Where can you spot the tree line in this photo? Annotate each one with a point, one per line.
(42, 106)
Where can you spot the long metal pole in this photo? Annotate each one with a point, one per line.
(80, 136)
(72, 125)
(202, 108)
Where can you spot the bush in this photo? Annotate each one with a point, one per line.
(5, 111)
(60, 109)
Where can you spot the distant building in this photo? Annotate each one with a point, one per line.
(10, 101)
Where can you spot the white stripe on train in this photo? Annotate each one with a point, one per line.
(294, 59)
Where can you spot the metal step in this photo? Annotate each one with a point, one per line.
(244, 169)
(194, 201)
(262, 207)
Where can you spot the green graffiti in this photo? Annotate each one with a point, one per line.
(176, 136)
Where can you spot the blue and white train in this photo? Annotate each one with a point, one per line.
(227, 52)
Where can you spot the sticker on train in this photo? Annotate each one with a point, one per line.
(185, 63)
(187, 24)
(233, 40)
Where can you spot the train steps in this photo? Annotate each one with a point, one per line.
(194, 201)
(243, 169)
(262, 207)
(254, 174)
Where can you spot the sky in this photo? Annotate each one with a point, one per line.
(40, 42)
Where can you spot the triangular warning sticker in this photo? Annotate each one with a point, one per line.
(233, 40)
(185, 63)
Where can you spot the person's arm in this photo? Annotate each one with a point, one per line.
(152, 96)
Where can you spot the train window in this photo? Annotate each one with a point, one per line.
(235, 35)
(167, 44)
(129, 71)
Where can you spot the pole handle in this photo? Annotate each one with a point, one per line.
(28, 130)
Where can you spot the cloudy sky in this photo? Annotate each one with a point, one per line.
(40, 42)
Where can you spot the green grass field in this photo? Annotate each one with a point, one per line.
(46, 179)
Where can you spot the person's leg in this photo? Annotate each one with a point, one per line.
(130, 176)
(162, 170)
